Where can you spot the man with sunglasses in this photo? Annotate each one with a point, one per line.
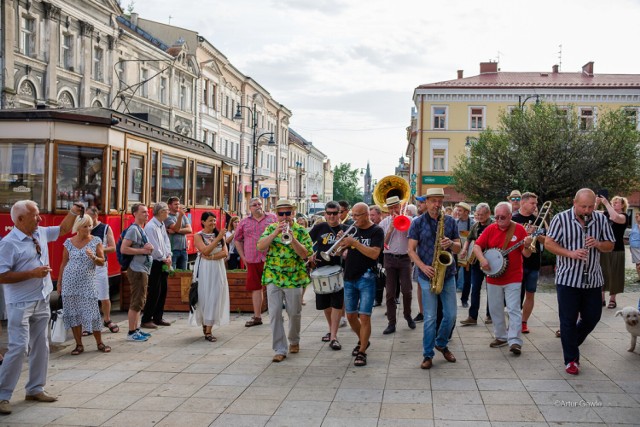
(25, 276)
(285, 276)
(344, 213)
(503, 234)
(514, 198)
(247, 235)
(324, 235)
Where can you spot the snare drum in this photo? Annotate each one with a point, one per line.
(327, 279)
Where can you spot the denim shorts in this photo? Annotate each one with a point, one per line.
(359, 294)
(530, 280)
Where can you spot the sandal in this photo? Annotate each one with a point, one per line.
(356, 349)
(76, 351)
(327, 337)
(558, 333)
(86, 333)
(361, 359)
(103, 348)
(335, 345)
(612, 304)
(255, 321)
(113, 328)
(210, 338)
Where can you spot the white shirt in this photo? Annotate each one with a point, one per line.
(158, 237)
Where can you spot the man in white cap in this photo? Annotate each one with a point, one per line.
(422, 243)
(397, 265)
(464, 223)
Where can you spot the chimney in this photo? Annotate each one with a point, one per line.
(588, 69)
(460, 73)
(134, 19)
(488, 67)
(555, 69)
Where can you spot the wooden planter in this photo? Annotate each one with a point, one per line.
(178, 286)
(240, 299)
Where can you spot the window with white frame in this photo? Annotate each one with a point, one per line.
(67, 51)
(162, 93)
(144, 85)
(214, 97)
(439, 117)
(205, 136)
(98, 64)
(439, 149)
(205, 92)
(27, 36)
(632, 116)
(587, 118)
(476, 118)
(183, 97)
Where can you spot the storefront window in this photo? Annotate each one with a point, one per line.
(204, 185)
(79, 176)
(173, 173)
(135, 178)
(21, 174)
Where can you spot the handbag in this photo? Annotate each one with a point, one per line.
(58, 332)
(193, 290)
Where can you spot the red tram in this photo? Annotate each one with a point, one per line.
(107, 159)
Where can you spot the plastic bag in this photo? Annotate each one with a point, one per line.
(58, 332)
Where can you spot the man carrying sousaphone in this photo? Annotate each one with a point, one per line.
(504, 234)
(324, 235)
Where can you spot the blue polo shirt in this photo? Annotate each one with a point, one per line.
(19, 254)
(424, 230)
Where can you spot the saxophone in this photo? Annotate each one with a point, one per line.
(441, 259)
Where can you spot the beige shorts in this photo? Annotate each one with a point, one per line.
(138, 285)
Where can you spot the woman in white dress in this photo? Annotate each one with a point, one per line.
(213, 289)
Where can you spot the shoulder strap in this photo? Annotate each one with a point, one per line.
(142, 234)
(510, 231)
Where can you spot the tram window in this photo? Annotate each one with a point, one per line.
(79, 176)
(204, 185)
(21, 173)
(135, 179)
(173, 174)
(115, 162)
(192, 172)
(154, 177)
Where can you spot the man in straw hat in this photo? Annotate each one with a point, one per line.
(422, 244)
(514, 198)
(397, 266)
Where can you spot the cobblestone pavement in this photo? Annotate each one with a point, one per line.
(179, 379)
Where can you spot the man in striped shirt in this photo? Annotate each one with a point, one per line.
(577, 236)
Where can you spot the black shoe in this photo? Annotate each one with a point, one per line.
(419, 318)
(397, 301)
(410, 322)
(465, 305)
(377, 304)
(390, 329)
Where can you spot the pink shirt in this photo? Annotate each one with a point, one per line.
(248, 232)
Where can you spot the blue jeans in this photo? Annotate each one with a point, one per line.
(179, 258)
(359, 294)
(440, 337)
(574, 302)
(477, 277)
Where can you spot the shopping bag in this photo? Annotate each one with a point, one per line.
(58, 332)
(192, 319)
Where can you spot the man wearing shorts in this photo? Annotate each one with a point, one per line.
(247, 235)
(135, 243)
(360, 278)
(324, 235)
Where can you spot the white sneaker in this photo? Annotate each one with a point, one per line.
(343, 322)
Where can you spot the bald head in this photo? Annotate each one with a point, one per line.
(584, 202)
(585, 193)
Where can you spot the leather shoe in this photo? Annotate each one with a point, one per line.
(488, 321)
(390, 329)
(279, 358)
(515, 349)
(163, 323)
(149, 325)
(497, 343)
(41, 397)
(294, 348)
(410, 322)
(469, 321)
(426, 363)
(5, 407)
(447, 354)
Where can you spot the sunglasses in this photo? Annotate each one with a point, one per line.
(331, 213)
(285, 213)
(343, 211)
(501, 217)
(38, 248)
(515, 199)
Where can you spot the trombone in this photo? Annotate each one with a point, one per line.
(335, 249)
(539, 222)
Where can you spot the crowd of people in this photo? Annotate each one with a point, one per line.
(355, 258)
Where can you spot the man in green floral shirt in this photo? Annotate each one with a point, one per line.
(285, 275)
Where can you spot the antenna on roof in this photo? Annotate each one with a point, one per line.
(498, 57)
(170, 19)
(560, 58)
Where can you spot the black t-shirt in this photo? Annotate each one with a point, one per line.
(533, 262)
(357, 264)
(323, 237)
(618, 232)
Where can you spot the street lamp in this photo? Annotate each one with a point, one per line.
(299, 168)
(254, 144)
(521, 103)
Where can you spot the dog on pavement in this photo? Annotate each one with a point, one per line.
(631, 317)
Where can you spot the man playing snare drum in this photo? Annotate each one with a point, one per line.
(324, 235)
(503, 234)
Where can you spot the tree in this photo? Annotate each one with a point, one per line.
(345, 184)
(547, 151)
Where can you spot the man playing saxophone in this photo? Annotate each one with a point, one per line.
(423, 248)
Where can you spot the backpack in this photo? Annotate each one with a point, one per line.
(124, 259)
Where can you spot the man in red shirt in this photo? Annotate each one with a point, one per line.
(503, 234)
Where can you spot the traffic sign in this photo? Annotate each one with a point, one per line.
(264, 193)
(413, 191)
(314, 198)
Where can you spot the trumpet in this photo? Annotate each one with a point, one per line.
(539, 222)
(335, 249)
(286, 236)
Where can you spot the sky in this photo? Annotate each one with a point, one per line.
(347, 69)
